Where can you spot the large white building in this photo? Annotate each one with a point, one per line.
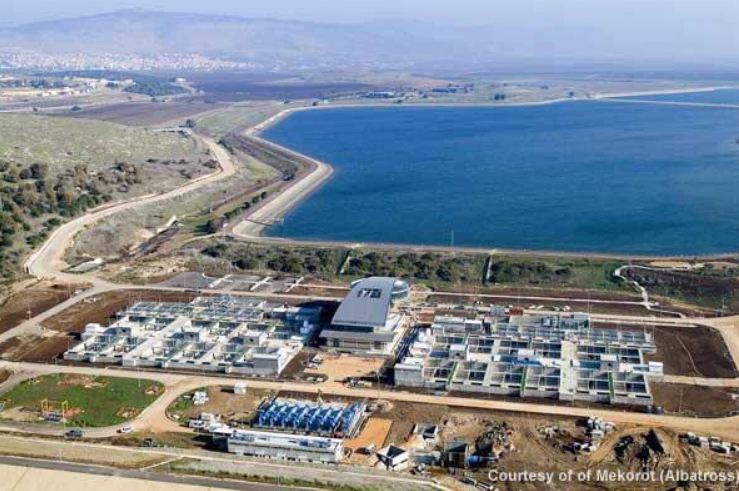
(225, 334)
(552, 356)
(365, 322)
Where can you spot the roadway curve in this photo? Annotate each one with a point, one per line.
(176, 384)
(47, 262)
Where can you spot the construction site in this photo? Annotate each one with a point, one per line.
(457, 446)
(548, 356)
(220, 334)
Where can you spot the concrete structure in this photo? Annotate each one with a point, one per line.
(365, 322)
(552, 356)
(226, 334)
(394, 458)
(286, 446)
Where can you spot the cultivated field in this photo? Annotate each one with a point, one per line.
(144, 113)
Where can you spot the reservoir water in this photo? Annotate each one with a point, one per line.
(578, 176)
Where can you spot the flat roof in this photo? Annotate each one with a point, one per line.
(366, 304)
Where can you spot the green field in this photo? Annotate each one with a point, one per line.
(430, 268)
(63, 143)
(54, 168)
(239, 116)
(92, 401)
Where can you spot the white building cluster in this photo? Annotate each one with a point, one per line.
(220, 334)
(552, 356)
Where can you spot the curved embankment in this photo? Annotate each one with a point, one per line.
(279, 204)
(48, 262)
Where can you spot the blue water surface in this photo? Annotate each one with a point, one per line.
(718, 96)
(577, 176)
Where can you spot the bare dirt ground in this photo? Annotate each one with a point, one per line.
(532, 450)
(693, 351)
(222, 401)
(694, 400)
(63, 328)
(32, 301)
(341, 367)
(36, 349)
(100, 308)
(374, 432)
(145, 113)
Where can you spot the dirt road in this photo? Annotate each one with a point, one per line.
(177, 384)
(48, 260)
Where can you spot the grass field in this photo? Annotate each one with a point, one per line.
(63, 143)
(239, 116)
(92, 401)
(116, 234)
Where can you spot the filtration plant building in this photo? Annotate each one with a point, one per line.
(551, 356)
(218, 334)
(320, 418)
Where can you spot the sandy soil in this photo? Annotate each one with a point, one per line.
(374, 432)
(33, 300)
(339, 368)
(101, 307)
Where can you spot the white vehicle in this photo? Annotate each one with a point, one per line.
(125, 429)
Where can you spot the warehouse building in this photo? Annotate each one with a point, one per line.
(220, 334)
(366, 322)
(286, 446)
(551, 356)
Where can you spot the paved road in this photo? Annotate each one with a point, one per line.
(348, 473)
(68, 475)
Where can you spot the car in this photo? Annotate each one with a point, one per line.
(125, 429)
(73, 433)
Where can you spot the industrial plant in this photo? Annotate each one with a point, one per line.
(219, 334)
(551, 356)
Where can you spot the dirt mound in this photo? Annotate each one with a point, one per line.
(641, 452)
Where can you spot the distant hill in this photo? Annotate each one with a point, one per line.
(269, 42)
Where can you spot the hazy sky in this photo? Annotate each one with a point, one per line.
(601, 14)
(676, 29)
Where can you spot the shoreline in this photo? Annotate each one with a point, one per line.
(273, 240)
(250, 229)
(287, 112)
